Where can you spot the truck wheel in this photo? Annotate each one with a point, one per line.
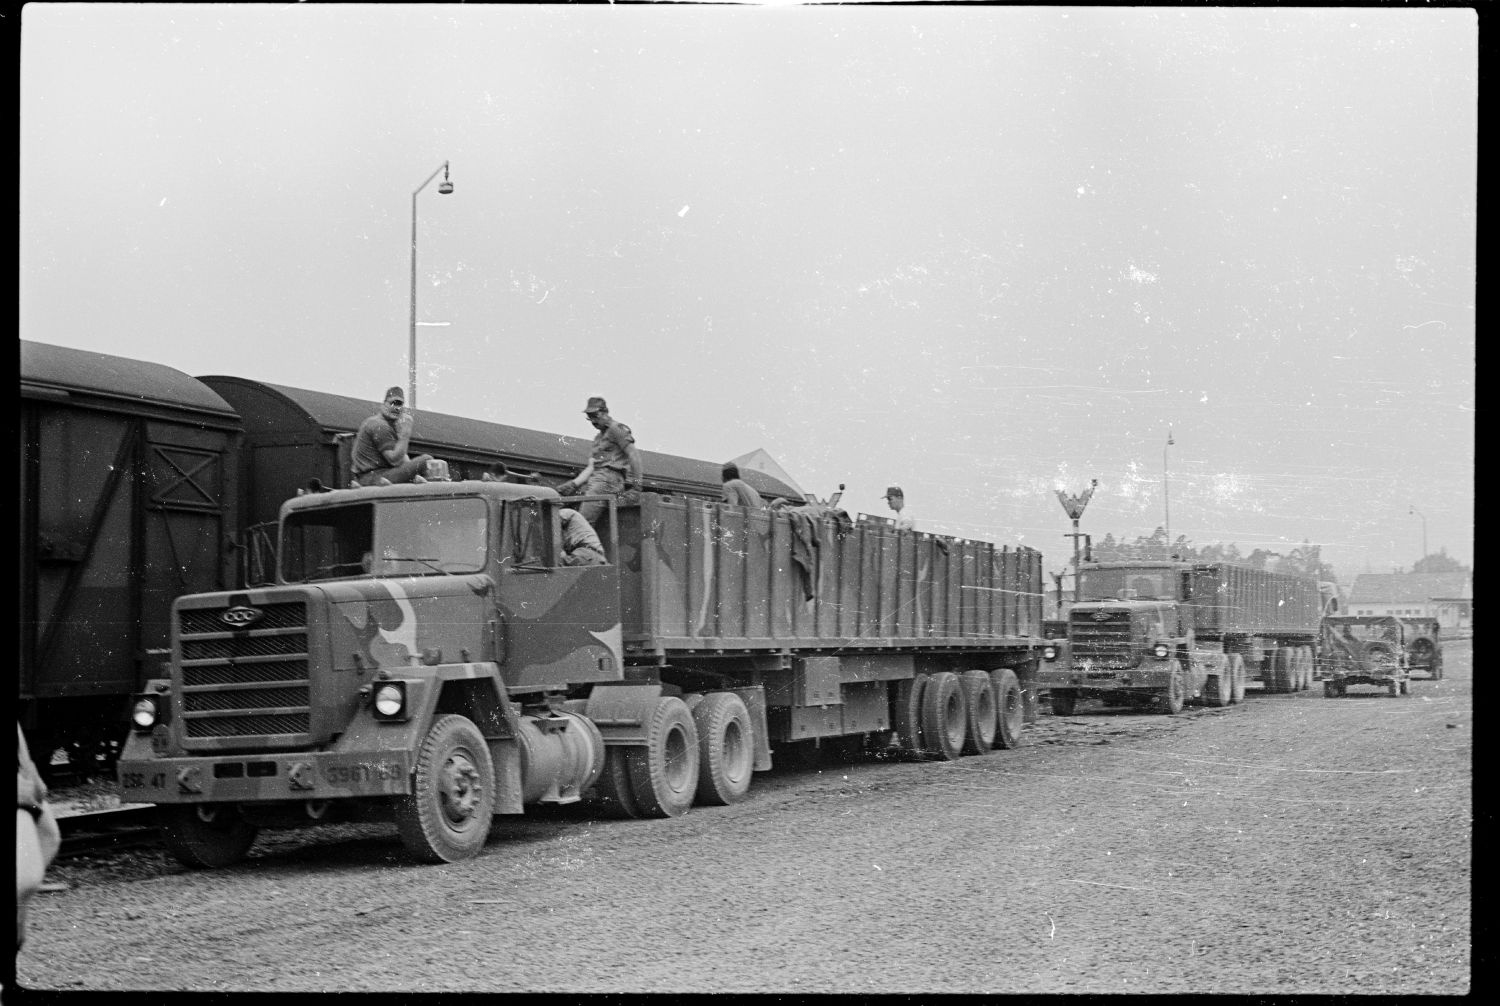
(206, 836)
(1309, 671)
(1237, 678)
(612, 791)
(1329, 691)
(446, 817)
(1405, 688)
(1009, 705)
(1281, 670)
(726, 748)
(664, 773)
(908, 712)
(1392, 687)
(979, 696)
(945, 715)
(1175, 696)
(1063, 701)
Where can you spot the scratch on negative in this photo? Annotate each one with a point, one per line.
(1122, 887)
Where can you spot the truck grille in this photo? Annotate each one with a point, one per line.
(1106, 642)
(248, 683)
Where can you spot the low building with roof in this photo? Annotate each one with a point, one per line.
(1448, 597)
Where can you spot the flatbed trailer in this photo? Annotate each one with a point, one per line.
(427, 655)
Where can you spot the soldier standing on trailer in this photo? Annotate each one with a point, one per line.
(379, 456)
(896, 500)
(614, 467)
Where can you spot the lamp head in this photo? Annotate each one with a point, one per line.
(445, 186)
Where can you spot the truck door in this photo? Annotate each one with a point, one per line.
(560, 624)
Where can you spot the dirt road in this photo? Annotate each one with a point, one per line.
(1295, 844)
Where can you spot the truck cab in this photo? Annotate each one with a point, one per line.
(415, 656)
(1130, 640)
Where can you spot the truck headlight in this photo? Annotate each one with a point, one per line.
(1160, 649)
(144, 713)
(1049, 653)
(390, 701)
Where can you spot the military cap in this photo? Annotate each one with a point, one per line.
(894, 491)
(596, 404)
(396, 393)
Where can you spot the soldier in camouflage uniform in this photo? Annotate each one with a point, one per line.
(614, 467)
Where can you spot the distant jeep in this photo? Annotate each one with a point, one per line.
(1375, 650)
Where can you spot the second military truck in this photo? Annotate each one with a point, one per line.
(427, 656)
(1169, 633)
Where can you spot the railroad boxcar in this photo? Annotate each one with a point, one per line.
(128, 499)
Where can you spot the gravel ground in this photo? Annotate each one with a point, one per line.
(1295, 844)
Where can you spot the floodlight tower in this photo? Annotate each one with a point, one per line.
(1073, 507)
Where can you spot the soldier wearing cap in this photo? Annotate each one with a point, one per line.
(896, 500)
(614, 467)
(379, 457)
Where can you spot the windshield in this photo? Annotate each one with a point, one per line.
(416, 537)
(1102, 584)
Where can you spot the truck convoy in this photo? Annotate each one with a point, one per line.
(426, 656)
(1170, 633)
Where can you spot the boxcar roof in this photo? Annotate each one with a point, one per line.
(278, 408)
(106, 380)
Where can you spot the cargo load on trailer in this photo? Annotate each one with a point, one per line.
(427, 656)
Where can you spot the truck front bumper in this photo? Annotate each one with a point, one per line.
(1148, 676)
(252, 778)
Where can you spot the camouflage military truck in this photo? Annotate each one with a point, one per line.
(1170, 633)
(426, 656)
(1375, 650)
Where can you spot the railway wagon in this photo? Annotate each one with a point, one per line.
(140, 483)
(426, 655)
(294, 436)
(128, 499)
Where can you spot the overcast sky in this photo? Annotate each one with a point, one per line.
(979, 252)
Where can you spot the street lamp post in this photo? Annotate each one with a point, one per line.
(1166, 491)
(1414, 510)
(1073, 507)
(444, 188)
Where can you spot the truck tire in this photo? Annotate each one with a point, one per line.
(945, 715)
(1009, 706)
(1175, 697)
(1237, 678)
(907, 713)
(1064, 702)
(979, 696)
(612, 791)
(664, 772)
(446, 817)
(206, 836)
(1405, 688)
(1392, 687)
(1281, 671)
(1329, 690)
(1309, 671)
(726, 748)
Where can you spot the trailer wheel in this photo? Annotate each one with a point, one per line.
(945, 715)
(1392, 687)
(1064, 702)
(979, 696)
(206, 836)
(446, 817)
(908, 712)
(1329, 690)
(1309, 672)
(1175, 696)
(612, 791)
(1009, 704)
(1281, 670)
(664, 773)
(726, 748)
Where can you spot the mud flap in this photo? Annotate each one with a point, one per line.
(754, 698)
(506, 755)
